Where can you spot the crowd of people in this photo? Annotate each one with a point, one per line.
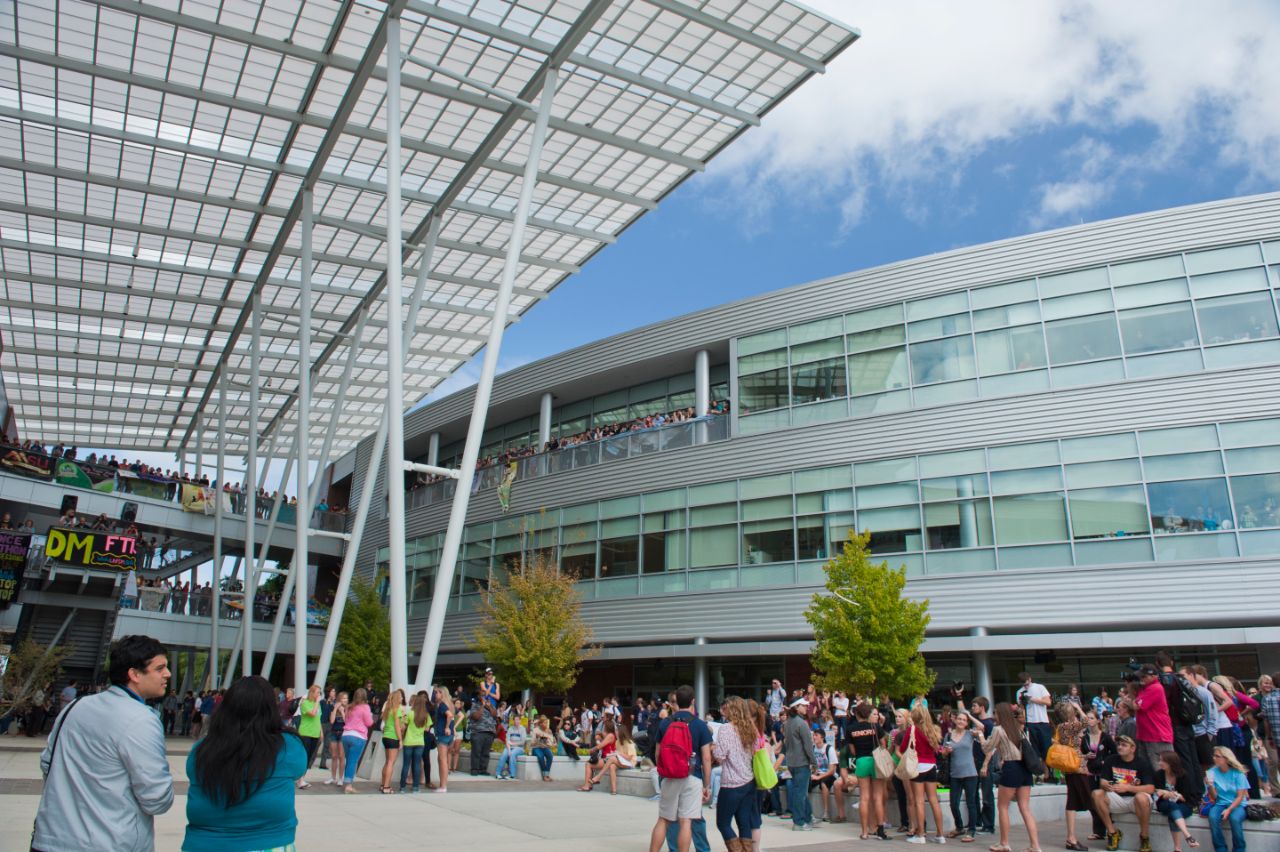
(1175, 743)
(596, 433)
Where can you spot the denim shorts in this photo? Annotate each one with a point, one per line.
(444, 741)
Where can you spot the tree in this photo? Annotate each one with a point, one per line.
(532, 633)
(363, 650)
(866, 635)
(30, 667)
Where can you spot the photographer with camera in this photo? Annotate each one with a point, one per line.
(1035, 701)
(957, 694)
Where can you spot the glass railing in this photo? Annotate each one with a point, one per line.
(633, 444)
(199, 604)
(110, 480)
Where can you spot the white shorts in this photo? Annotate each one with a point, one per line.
(623, 760)
(1122, 804)
(681, 798)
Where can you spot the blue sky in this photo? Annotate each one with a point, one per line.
(947, 125)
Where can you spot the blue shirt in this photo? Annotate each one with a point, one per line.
(1227, 784)
(265, 820)
(698, 732)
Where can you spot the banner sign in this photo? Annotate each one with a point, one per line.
(97, 478)
(193, 499)
(143, 486)
(13, 562)
(30, 464)
(92, 549)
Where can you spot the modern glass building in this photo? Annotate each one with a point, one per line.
(1071, 440)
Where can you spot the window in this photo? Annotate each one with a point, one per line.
(1030, 518)
(1158, 328)
(1257, 499)
(663, 541)
(712, 546)
(1082, 339)
(873, 372)
(768, 541)
(1229, 318)
(942, 360)
(876, 338)
(818, 381)
(1109, 512)
(619, 557)
(1010, 349)
(763, 391)
(893, 530)
(963, 524)
(1191, 505)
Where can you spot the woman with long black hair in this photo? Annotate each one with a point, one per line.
(242, 775)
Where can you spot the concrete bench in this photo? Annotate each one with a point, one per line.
(1258, 836)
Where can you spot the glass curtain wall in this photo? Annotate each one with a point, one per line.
(1164, 316)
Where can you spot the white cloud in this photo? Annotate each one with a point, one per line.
(932, 84)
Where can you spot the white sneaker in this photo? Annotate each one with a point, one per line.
(330, 781)
(939, 839)
(914, 838)
(441, 790)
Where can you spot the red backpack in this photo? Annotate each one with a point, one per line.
(675, 751)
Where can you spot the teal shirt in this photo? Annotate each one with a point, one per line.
(263, 821)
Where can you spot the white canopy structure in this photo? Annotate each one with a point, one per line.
(196, 215)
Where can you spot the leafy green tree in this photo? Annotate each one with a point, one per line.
(867, 637)
(532, 632)
(363, 649)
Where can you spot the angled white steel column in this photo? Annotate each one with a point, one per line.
(348, 366)
(302, 437)
(480, 407)
(269, 657)
(215, 583)
(375, 458)
(394, 407)
(199, 446)
(251, 490)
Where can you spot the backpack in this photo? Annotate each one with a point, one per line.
(675, 751)
(1188, 708)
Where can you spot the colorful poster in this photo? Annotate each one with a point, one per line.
(504, 488)
(143, 486)
(92, 549)
(193, 499)
(79, 475)
(13, 562)
(30, 464)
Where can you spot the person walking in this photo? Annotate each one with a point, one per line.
(355, 735)
(734, 746)
(105, 761)
(309, 728)
(241, 796)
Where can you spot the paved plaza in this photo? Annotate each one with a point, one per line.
(530, 816)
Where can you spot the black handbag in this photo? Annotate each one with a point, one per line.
(1031, 758)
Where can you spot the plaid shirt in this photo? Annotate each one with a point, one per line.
(1271, 708)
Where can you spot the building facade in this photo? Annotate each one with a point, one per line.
(1071, 440)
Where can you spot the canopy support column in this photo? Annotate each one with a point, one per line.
(251, 488)
(303, 439)
(215, 582)
(480, 407)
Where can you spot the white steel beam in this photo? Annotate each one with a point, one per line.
(251, 487)
(216, 581)
(303, 440)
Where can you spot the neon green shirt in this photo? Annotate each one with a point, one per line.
(413, 735)
(309, 725)
(389, 725)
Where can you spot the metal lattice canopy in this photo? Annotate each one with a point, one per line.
(153, 158)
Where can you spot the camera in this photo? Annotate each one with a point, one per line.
(1129, 674)
(957, 688)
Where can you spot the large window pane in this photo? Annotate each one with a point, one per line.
(938, 327)
(620, 557)
(876, 338)
(1005, 316)
(1108, 512)
(894, 530)
(1082, 339)
(963, 524)
(763, 391)
(817, 350)
(942, 360)
(810, 542)
(663, 551)
(768, 541)
(1157, 328)
(1030, 518)
(818, 381)
(873, 372)
(1246, 317)
(1189, 506)
(713, 546)
(578, 560)
(1010, 349)
(951, 487)
(1257, 499)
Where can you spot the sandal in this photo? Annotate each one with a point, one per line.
(955, 832)
(387, 791)
(1192, 842)
(585, 788)
(1076, 846)
(999, 847)
(1096, 837)
(968, 838)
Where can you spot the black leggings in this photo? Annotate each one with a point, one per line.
(310, 744)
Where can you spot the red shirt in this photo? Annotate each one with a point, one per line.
(1154, 724)
(924, 750)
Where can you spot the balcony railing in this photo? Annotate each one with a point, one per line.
(199, 604)
(192, 497)
(640, 442)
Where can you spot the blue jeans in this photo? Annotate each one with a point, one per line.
(1236, 818)
(544, 759)
(412, 758)
(352, 748)
(737, 804)
(798, 795)
(969, 788)
(715, 786)
(700, 843)
(508, 759)
(986, 786)
(1173, 811)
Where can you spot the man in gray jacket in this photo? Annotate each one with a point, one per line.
(105, 771)
(797, 748)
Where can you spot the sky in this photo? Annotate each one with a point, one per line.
(946, 125)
